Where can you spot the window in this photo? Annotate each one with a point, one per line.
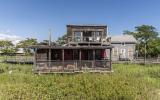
(123, 53)
(97, 36)
(115, 51)
(77, 36)
(130, 52)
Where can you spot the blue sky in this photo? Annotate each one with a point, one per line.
(33, 18)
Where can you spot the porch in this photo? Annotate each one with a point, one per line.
(72, 59)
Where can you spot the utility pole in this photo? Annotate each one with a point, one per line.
(49, 48)
(49, 37)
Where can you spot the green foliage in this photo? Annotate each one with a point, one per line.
(44, 42)
(9, 50)
(127, 82)
(148, 35)
(7, 47)
(5, 43)
(62, 40)
(26, 43)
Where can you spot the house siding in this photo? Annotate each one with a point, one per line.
(128, 48)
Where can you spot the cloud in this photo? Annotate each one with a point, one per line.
(10, 37)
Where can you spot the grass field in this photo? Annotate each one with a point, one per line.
(127, 82)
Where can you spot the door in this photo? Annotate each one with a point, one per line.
(123, 53)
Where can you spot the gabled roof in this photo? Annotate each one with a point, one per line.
(123, 38)
(20, 50)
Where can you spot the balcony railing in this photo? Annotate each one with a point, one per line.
(74, 65)
(87, 39)
(90, 39)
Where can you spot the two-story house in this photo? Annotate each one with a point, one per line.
(88, 48)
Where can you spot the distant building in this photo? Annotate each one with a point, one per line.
(124, 47)
(20, 51)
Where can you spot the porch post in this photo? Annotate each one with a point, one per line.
(35, 56)
(93, 64)
(49, 58)
(110, 65)
(63, 58)
(80, 59)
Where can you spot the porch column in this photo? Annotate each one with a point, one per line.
(93, 64)
(63, 58)
(80, 59)
(49, 58)
(110, 65)
(35, 57)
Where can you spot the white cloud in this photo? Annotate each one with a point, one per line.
(10, 37)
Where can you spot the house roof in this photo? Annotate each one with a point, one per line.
(123, 38)
(90, 25)
(20, 51)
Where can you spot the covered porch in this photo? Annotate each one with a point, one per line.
(61, 59)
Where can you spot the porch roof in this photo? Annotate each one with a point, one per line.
(70, 47)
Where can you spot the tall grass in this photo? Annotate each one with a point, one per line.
(127, 82)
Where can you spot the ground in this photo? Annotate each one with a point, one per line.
(127, 82)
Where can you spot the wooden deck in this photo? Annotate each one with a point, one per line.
(19, 59)
(18, 62)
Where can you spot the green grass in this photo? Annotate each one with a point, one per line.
(127, 82)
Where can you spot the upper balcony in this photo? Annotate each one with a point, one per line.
(89, 38)
(86, 34)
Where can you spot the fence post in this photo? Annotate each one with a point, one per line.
(145, 54)
(80, 59)
(63, 58)
(110, 66)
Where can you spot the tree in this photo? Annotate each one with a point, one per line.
(62, 40)
(7, 47)
(26, 43)
(146, 35)
(5, 43)
(44, 42)
(9, 50)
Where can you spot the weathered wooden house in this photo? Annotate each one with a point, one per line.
(88, 49)
(124, 47)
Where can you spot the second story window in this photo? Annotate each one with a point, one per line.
(97, 36)
(77, 36)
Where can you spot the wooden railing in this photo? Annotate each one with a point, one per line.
(72, 65)
(90, 39)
